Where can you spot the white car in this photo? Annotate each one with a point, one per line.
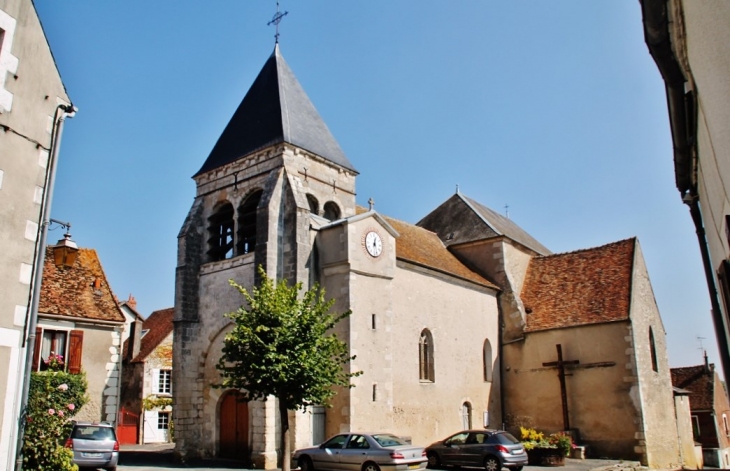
(362, 452)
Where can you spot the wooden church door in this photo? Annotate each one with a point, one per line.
(234, 426)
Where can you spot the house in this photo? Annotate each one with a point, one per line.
(448, 317)
(690, 43)
(710, 411)
(147, 379)
(31, 91)
(80, 320)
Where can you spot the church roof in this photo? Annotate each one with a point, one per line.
(275, 109)
(81, 291)
(158, 327)
(590, 286)
(699, 381)
(504, 226)
(423, 247)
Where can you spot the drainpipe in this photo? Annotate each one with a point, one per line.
(691, 200)
(32, 322)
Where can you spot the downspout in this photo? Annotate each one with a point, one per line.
(500, 355)
(692, 200)
(32, 323)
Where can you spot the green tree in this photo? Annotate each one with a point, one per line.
(282, 346)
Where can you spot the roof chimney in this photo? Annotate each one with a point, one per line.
(707, 365)
(134, 343)
(132, 302)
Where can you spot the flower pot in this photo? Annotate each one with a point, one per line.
(545, 457)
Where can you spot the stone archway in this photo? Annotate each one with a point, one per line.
(234, 426)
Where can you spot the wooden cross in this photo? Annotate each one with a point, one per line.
(560, 364)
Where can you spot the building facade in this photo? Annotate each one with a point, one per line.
(30, 92)
(690, 43)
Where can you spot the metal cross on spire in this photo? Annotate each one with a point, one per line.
(276, 20)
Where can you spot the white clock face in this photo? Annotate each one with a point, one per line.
(373, 243)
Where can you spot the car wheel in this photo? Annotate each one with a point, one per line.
(370, 466)
(305, 463)
(492, 464)
(434, 462)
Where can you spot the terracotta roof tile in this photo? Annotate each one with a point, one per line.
(588, 286)
(423, 247)
(698, 382)
(159, 326)
(81, 291)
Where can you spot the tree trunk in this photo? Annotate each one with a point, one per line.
(285, 442)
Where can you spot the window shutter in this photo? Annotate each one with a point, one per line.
(37, 348)
(74, 351)
(156, 381)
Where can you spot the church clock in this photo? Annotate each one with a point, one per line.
(373, 243)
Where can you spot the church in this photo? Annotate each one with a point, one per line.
(453, 318)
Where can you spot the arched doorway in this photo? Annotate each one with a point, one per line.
(233, 426)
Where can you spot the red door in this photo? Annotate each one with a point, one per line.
(128, 428)
(234, 426)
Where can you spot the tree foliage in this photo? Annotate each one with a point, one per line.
(54, 398)
(282, 345)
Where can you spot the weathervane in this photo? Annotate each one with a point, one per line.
(276, 20)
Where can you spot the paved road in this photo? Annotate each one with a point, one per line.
(159, 457)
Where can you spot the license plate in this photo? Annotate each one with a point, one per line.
(414, 466)
(518, 452)
(92, 455)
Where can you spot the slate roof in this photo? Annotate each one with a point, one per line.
(275, 109)
(158, 326)
(423, 247)
(700, 384)
(505, 226)
(81, 291)
(590, 286)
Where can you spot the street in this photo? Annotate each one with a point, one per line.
(159, 457)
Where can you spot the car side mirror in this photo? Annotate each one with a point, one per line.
(321, 447)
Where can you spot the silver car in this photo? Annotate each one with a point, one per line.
(362, 452)
(94, 445)
(491, 449)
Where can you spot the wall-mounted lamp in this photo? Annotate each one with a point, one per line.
(66, 250)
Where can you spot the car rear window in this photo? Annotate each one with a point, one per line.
(505, 438)
(90, 432)
(387, 440)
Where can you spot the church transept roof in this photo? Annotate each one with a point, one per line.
(589, 286)
(275, 109)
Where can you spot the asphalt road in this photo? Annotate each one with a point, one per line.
(159, 457)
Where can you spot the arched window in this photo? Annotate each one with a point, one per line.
(466, 416)
(425, 357)
(247, 223)
(220, 233)
(652, 347)
(313, 204)
(487, 359)
(331, 211)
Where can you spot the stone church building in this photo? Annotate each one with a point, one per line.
(439, 322)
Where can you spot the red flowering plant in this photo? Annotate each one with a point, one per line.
(54, 398)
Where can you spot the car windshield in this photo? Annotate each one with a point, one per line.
(90, 432)
(387, 440)
(505, 438)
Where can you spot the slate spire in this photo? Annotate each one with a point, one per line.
(276, 109)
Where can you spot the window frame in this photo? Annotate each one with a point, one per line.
(426, 367)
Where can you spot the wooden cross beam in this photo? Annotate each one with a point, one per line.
(560, 364)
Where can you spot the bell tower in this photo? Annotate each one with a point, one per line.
(275, 172)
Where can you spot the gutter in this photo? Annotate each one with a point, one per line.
(683, 123)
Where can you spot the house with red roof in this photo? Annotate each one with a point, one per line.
(80, 320)
(710, 411)
(147, 379)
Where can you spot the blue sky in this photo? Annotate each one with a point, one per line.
(554, 109)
